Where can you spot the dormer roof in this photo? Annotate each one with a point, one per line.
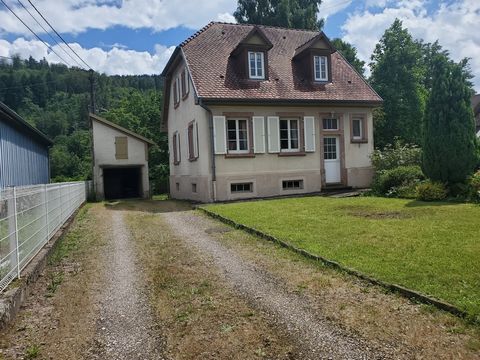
(257, 38)
(318, 42)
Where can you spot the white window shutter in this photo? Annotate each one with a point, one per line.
(309, 131)
(179, 156)
(195, 139)
(219, 135)
(273, 134)
(258, 134)
(187, 145)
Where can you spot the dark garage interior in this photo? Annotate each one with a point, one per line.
(123, 182)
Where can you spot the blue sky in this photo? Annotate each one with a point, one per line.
(138, 36)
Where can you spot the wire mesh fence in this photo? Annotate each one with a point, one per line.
(29, 217)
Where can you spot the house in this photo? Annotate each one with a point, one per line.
(258, 111)
(476, 113)
(23, 151)
(120, 161)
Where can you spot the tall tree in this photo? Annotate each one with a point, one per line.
(296, 14)
(449, 145)
(349, 52)
(398, 74)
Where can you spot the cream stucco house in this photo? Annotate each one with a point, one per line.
(256, 111)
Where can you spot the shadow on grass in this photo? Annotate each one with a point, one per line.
(151, 206)
(417, 203)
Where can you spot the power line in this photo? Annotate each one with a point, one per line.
(55, 31)
(51, 37)
(34, 33)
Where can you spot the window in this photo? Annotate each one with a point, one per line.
(176, 148)
(320, 68)
(121, 147)
(292, 184)
(289, 137)
(241, 187)
(194, 188)
(177, 186)
(256, 65)
(357, 128)
(192, 141)
(176, 91)
(237, 135)
(185, 83)
(330, 124)
(330, 148)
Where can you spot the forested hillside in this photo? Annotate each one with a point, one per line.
(55, 99)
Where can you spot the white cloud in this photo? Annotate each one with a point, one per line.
(76, 16)
(452, 24)
(330, 7)
(115, 61)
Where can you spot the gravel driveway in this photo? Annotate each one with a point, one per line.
(126, 328)
(319, 338)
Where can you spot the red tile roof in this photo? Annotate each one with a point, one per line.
(207, 54)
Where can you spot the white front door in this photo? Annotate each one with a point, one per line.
(331, 156)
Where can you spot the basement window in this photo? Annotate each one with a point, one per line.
(194, 187)
(241, 187)
(292, 184)
(177, 186)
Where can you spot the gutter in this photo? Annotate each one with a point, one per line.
(212, 148)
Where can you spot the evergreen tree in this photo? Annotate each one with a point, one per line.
(296, 14)
(349, 52)
(398, 76)
(449, 145)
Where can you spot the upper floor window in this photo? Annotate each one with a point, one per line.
(256, 66)
(185, 83)
(320, 68)
(192, 139)
(237, 132)
(176, 91)
(176, 148)
(357, 128)
(289, 135)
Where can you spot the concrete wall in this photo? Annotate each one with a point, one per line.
(187, 172)
(265, 171)
(104, 156)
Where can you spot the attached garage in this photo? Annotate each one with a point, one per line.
(120, 159)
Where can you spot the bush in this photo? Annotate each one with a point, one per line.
(431, 191)
(474, 183)
(396, 155)
(389, 182)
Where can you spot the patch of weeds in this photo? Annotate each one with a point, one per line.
(183, 316)
(226, 328)
(32, 352)
(260, 352)
(200, 289)
(56, 278)
(473, 344)
(342, 306)
(427, 309)
(248, 314)
(301, 288)
(457, 330)
(364, 290)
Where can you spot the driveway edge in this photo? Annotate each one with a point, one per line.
(17, 292)
(403, 291)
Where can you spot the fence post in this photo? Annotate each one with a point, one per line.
(16, 229)
(46, 212)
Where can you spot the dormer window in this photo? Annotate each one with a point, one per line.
(256, 67)
(320, 68)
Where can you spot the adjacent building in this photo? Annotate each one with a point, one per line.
(476, 112)
(258, 111)
(23, 151)
(120, 161)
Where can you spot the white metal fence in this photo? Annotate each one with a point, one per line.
(29, 217)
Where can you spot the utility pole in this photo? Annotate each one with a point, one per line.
(91, 77)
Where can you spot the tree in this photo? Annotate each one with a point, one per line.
(349, 52)
(398, 74)
(296, 14)
(449, 144)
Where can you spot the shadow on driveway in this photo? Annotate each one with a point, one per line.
(151, 206)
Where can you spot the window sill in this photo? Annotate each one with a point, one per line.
(359, 141)
(296, 153)
(176, 163)
(176, 105)
(193, 159)
(184, 96)
(233, 156)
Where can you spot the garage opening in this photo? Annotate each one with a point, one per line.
(121, 183)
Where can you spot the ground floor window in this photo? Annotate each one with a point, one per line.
(241, 187)
(292, 184)
(237, 131)
(289, 135)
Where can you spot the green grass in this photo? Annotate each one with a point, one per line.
(430, 247)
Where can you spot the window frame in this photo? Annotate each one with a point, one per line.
(330, 118)
(176, 148)
(363, 137)
(319, 78)
(256, 76)
(289, 135)
(185, 83)
(237, 137)
(250, 184)
(192, 142)
(292, 181)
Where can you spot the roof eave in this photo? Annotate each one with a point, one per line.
(303, 102)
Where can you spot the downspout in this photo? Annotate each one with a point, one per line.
(212, 148)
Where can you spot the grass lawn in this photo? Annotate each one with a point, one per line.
(430, 247)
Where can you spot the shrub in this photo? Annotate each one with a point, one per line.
(431, 191)
(388, 182)
(396, 155)
(474, 183)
